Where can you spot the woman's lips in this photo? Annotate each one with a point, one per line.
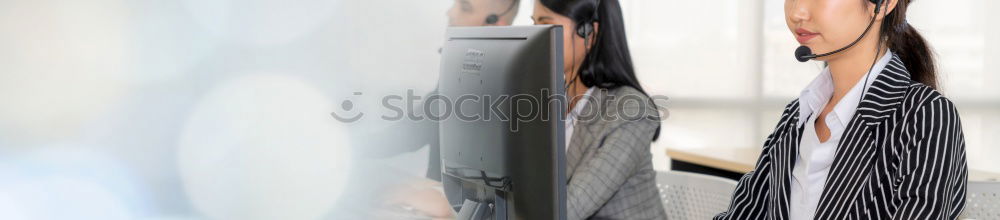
(803, 35)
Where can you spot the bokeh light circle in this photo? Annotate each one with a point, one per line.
(263, 147)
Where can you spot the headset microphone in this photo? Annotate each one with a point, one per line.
(804, 53)
(492, 19)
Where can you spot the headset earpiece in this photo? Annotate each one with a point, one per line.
(585, 29)
(878, 5)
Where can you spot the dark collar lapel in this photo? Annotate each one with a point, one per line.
(784, 146)
(858, 147)
(885, 94)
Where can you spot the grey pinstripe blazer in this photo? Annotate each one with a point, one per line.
(609, 167)
(901, 157)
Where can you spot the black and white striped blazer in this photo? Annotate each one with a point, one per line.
(902, 156)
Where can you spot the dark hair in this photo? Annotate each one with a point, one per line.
(608, 65)
(907, 43)
(609, 62)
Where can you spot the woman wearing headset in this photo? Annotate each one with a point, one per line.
(611, 120)
(870, 137)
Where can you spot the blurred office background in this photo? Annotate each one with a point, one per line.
(218, 109)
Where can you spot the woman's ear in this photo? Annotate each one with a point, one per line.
(887, 7)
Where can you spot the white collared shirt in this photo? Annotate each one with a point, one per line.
(812, 164)
(577, 110)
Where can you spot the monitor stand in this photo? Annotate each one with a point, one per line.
(472, 210)
(496, 210)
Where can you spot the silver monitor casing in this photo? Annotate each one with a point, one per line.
(511, 169)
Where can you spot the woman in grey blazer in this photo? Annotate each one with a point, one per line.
(611, 120)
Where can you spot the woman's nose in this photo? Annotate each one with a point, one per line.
(799, 10)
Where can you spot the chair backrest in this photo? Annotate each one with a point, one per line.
(982, 201)
(693, 196)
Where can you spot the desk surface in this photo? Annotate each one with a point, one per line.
(741, 160)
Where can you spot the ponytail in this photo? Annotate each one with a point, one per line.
(909, 45)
